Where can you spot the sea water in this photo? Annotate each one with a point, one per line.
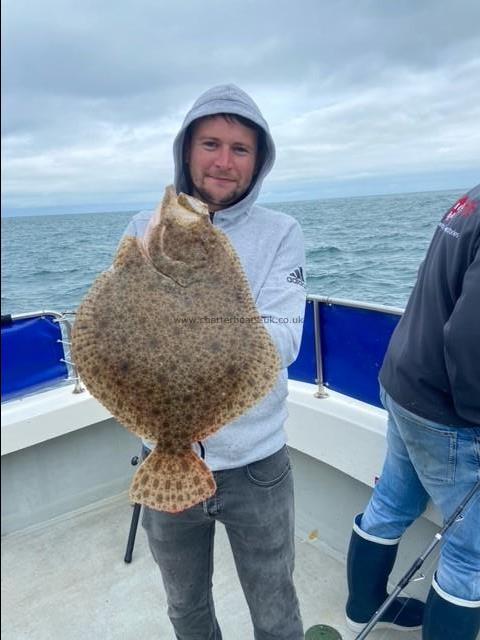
(362, 248)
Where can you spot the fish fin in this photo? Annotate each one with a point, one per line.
(172, 482)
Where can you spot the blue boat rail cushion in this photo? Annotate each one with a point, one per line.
(349, 339)
(352, 338)
(32, 354)
(304, 368)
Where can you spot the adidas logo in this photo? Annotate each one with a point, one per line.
(297, 277)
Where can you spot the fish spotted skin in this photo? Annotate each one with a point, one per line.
(169, 340)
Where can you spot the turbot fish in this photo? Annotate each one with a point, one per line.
(169, 340)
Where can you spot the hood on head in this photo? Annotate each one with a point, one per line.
(226, 98)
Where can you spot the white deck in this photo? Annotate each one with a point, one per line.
(66, 580)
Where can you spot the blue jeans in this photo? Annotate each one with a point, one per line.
(255, 503)
(428, 460)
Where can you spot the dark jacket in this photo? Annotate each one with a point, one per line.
(432, 365)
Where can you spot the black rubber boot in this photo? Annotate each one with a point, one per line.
(446, 619)
(369, 564)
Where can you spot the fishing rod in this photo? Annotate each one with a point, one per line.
(324, 632)
(455, 517)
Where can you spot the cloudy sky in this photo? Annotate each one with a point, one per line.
(362, 96)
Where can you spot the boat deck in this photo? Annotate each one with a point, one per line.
(66, 580)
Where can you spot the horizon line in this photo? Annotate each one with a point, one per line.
(41, 211)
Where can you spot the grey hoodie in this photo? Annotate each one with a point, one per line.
(271, 248)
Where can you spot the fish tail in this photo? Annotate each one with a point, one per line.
(172, 482)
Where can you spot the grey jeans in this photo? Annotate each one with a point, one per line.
(255, 503)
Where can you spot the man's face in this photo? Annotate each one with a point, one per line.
(222, 158)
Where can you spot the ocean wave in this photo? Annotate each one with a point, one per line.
(359, 248)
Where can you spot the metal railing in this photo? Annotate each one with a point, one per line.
(338, 324)
(330, 334)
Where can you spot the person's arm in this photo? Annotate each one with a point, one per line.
(130, 231)
(462, 346)
(136, 227)
(281, 301)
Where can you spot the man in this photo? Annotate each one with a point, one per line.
(222, 154)
(430, 383)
